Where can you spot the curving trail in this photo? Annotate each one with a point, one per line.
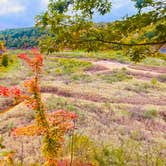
(105, 66)
(134, 100)
(136, 70)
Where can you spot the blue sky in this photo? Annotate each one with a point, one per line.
(21, 13)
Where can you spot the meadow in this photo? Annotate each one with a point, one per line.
(121, 107)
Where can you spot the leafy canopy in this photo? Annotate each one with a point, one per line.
(70, 25)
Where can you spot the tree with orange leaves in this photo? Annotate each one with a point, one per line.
(53, 126)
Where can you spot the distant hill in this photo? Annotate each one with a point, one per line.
(21, 37)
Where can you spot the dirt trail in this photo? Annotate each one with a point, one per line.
(135, 100)
(136, 70)
(104, 66)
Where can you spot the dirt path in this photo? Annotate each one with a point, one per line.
(136, 70)
(135, 100)
(105, 66)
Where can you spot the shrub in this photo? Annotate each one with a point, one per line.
(122, 153)
(5, 60)
(82, 147)
(154, 81)
(151, 113)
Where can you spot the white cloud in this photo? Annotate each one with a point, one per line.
(120, 3)
(44, 3)
(10, 6)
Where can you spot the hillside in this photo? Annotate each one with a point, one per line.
(75, 91)
(21, 37)
(121, 107)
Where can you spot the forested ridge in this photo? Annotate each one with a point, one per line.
(21, 37)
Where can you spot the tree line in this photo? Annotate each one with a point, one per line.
(21, 38)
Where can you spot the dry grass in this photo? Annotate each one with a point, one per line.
(107, 111)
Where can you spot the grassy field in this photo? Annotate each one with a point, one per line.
(121, 106)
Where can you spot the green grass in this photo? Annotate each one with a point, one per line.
(113, 135)
(154, 61)
(102, 55)
(125, 152)
(142, 87)
(81, 77)
(68, 66)
(56, 103)
(116, 76)
(111, 55)
(12, 65)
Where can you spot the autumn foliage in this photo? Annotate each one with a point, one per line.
(51, 126)
(2, 47)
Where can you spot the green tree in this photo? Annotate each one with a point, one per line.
(70, 25)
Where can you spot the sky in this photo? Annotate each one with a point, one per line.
(21, 13)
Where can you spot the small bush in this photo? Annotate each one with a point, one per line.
(5, 60)
(83, 147)
(154, 81)
(151, 113)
